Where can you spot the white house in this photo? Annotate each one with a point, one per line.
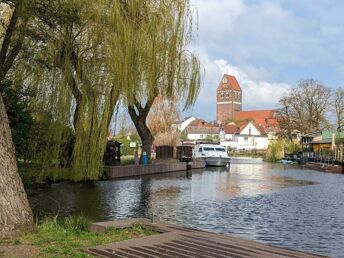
(248, 136)
(199, 129)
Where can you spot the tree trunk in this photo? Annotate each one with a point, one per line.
(15, 211)
(139, 120)
(146, 137)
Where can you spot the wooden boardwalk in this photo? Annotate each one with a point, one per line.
(174, 241)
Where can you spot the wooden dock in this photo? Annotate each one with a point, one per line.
(175, 241)
(338, 169)
(114, 172)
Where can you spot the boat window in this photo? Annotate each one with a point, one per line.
(208, 149)
(220, 149)
(200, 150)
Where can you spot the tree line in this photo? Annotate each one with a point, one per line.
(69, 63)
(310, 106)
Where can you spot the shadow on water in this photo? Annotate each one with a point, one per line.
(278, 204)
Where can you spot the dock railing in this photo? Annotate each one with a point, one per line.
(333, 157)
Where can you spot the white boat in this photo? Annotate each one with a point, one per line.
(214, 155)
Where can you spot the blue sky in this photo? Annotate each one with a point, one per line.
(269, 46)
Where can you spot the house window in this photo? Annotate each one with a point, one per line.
(201, 136)
(222, 95)
(246, 139)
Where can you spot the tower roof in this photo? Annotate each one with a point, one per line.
(229, 82)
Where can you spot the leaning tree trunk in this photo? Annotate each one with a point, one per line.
(15, 211)
(139, 116)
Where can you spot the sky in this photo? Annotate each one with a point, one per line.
(269, 45)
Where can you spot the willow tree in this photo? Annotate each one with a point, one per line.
(15, 212)
(156, 59)
(78, 85)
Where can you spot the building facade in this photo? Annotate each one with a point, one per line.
(228, 99)
(247, 136)
(202, 130)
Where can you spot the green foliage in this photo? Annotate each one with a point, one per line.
(248, 153)
(65, 237)
(278, 148)
(125, 147)
(81, 56)
(212, 138)
(275, 151)
(20, 116)
(183, 135)
(339, 141)
(292, 146)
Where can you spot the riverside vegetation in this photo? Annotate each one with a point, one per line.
(65, 237)
(75, 62)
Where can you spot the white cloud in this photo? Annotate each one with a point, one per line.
(272, 32)
(268, 45)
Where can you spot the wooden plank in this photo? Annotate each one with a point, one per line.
(177, 241)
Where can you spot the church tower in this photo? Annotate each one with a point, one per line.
(228, 99)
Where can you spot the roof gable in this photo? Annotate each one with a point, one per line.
(229, 82)
(252, 129)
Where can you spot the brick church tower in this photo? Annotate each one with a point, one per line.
(228, 98)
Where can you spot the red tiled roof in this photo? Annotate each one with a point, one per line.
(260, 117)
(231, 129)
(232, 83)
(261, 129)
(203, 129)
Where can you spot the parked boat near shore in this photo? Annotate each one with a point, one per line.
(214, 155)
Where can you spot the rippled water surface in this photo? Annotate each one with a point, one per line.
(283, 205)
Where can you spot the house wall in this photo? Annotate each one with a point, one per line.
(231, 144)
(198, 136)
(229, 137)
(317, 147)
(246, 130)
(248, 142)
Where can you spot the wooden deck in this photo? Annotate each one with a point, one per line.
(176, 241)
(113, 172)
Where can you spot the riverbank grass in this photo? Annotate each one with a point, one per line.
(65, 238)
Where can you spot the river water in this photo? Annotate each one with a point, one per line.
(282, 205)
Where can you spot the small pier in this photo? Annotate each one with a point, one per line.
(338, 169)
(176, 241)
(114, 172)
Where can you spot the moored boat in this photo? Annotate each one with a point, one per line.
(213, 154)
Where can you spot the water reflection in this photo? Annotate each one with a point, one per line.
(273, 203)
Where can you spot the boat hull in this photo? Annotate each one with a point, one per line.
(217, 161)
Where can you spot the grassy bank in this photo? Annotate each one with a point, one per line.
(65, 238)
(252, 154)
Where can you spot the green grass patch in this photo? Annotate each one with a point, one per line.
(127, 160)
(65, 237)
(252, 154)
